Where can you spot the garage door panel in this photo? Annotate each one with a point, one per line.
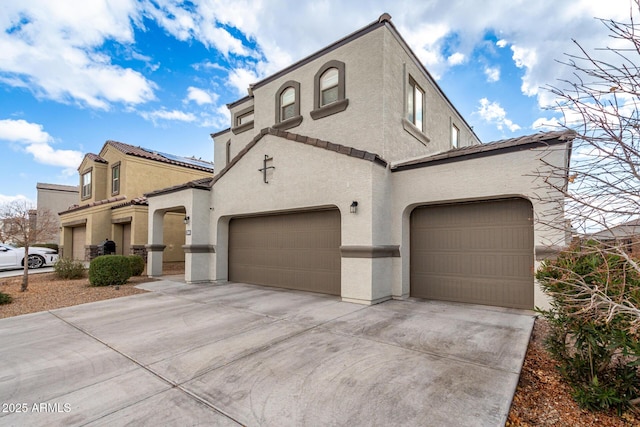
(295, 251)
(78, 239)
(475, 252)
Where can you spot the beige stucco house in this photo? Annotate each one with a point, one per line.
(53, 198)
(350, 173)
(112, 204)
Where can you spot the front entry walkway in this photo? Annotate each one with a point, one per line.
(239, 354)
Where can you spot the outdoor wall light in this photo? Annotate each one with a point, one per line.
(354, 207)
(186, 219)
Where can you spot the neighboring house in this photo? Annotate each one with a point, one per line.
(626, 236)
(350, 173)
(53, 198)
(111, 203)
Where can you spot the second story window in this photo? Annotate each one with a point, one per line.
(329, 90)
(85, 183)
(243, 120)
(115, 179)
(329, 87)
(288, 106)
(415, 104)
(455, 136)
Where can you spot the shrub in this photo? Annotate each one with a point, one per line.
(136, 263)
(594, 333)
(5, 298)
(67, 268)
(109, 270)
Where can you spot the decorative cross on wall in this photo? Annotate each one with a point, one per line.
(265, 168)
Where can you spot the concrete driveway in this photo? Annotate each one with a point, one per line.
(241, 354)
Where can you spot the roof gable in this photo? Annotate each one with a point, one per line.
(301, 139)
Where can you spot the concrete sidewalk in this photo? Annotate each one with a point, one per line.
(241, 354)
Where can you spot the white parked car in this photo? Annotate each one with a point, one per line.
(12, 257)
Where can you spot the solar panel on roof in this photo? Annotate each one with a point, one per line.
(187, 160)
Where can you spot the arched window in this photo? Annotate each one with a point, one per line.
(288, 105)
(329, 87)
(329, 90)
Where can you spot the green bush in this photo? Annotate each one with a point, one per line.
(5, 298)
(598, 350)
(109, 270)
(67, 268)
(137, 264)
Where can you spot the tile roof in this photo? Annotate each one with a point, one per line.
(489, 149)
(95, 158)
(74, 208)
(140, 201)
(294, 137)
(201, 184)
(188, 162)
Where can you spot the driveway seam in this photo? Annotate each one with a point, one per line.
(151, 371)
(440, 356)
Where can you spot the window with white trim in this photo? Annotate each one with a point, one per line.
(288, 105)
(85, 184)
(329, 87)
(115, 179)
(415, 104)
(329, 90)
(455, 136)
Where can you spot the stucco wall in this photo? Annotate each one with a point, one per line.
(493, 177)
(53, 198)
(377, 68)
(304, 178)
(438, 113)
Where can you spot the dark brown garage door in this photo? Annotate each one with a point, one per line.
(478, 253)
(294, 251)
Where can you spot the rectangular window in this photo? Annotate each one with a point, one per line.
(86, 185)
(415, 104)
(245, 118)
(115, 179)
(454, 136)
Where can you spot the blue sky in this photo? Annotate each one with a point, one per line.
(158, 73)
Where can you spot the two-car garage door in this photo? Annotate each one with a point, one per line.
(474, 252)
(293, 250)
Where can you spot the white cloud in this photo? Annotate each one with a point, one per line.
(23, 131)
(200, 96)
(241, 78)
(36, 142)
(456, 59)
(492, 112)
(4, 199)
(492, 73)
(547, 124)
(52, 49)
(526, 58)
(501, 43)
(219, 119)
(164, 114)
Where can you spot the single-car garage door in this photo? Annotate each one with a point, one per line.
(294, 251)
(78, 242)
(479, 252)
